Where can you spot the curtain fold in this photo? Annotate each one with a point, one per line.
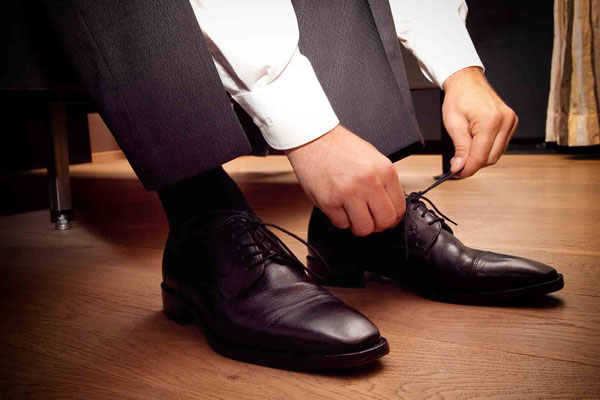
(573, 106)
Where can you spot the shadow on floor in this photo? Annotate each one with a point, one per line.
(584, 156)
(120, 210)
(535, 302)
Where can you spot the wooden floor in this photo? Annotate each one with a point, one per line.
(81, 310)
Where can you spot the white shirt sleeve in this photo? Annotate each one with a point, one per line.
(254, 45)
(435, 32)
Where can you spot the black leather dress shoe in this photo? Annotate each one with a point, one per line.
(255, 302)
(422, 253)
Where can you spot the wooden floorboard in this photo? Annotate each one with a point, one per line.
(81, 309)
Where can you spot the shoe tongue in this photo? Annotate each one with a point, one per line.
(421, 235)
(431, 215)
(234, 277)
(237, 280)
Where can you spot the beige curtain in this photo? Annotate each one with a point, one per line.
(573, 107)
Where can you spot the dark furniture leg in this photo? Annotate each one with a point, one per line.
(447, 145)
(58, 168)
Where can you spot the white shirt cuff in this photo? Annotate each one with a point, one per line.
(453, 56)
(293, 109)
(435, 32)
(447, 54)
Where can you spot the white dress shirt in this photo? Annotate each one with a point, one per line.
(254, 45)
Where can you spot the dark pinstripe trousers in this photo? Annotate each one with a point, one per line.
(149, 73)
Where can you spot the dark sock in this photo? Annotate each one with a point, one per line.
(200, 196)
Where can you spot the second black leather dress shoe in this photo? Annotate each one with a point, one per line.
(255, 302)
(423, 253)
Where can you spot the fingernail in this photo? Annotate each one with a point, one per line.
(455, 163)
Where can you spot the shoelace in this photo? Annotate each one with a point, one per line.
(278, 249)
(415, 199)
(270, 246)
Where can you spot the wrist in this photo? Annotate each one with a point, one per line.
(293, 150)
(466, 75)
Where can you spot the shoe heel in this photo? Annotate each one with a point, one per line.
(175, 309)
(336, 274)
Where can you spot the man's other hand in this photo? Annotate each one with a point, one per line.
(478, 121)
(355, 185)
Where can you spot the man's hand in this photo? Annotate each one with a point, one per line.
(350, 181)
(478, 121)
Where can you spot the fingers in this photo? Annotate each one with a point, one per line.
(396, 194)
(491, 135)
(458, 129)
(490, 140)
(507, 130)
(386, 201)
(512, 131)
(378, 205)
(361, 221)
(483, 140)
(382, 210)
(338, 217)
(501, 141)
(354, 184)
(375, 215)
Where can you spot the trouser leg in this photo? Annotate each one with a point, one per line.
(150, 75)
(354, 50)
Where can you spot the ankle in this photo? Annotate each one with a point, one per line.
(198, 197)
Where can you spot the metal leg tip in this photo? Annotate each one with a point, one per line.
(62, 223)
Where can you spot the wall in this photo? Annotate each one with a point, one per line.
(100, 137)
(514, 40)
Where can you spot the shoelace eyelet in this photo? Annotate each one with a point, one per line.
(273, 246)
(416, 197)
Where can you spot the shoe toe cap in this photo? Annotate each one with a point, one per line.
(510, 271)
(330, 327)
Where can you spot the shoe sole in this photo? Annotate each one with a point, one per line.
(497, 296)
(180, 311)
